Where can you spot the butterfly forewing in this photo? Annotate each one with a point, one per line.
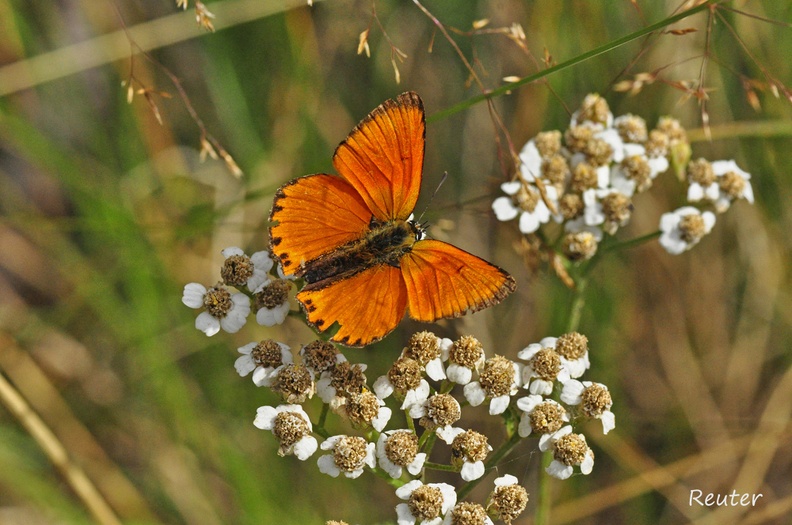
(383, 157)
(314, 215)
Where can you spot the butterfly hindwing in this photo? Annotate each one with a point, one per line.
(366, 306)
(445, 281)
(382, 158)
(315, 215)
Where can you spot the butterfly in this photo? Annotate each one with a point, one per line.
(364, 262)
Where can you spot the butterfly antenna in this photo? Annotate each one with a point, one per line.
(437, 189)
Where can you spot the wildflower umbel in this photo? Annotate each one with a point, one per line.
(223, 308)
(348, 455)
(569, 450)
(587, 177)
(425, 503)
(291, 426)
(508, 500)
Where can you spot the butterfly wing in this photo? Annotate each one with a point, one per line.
(315, 215)
(382, 158)
(367, 306)
(445, 281)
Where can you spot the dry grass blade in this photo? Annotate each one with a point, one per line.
(105, 49)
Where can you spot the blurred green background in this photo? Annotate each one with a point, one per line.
(116, 409)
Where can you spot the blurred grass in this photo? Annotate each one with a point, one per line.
(106, 215)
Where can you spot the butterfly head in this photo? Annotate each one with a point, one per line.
(418, 229)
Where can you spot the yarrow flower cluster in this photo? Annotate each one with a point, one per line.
(226, 305)
(587, 177)
(539, 395)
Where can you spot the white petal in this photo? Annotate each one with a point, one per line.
(588, 463)
(305, 447)
(511, 188)
(528, 403)
(262, 261)
(416, 466)
(383, 416)
(448, 433)
(405, 490)
(525, 428)
(498, 405)
(383, 387)
(506, 480)
(244, 365)
(434, 369)
(504, 209)
(529, 222)
(265, 376)
(608, 419)
(474, 393)
(272, 316)
(527, 353)
(228, 252)
(558, 470)
(259, 279)
(327, 466)
(541, 387)
(570, 394)
(193, 295)
(459, 374)
(695, 192)
(265, 417)
(404, 515)
(207, 324)
(471, 471)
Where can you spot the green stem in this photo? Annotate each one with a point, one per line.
(542, 514)
(506, 88)
(631, 243)
(319, 428)
(578, 302)
(440, 466)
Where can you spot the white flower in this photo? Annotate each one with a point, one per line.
(470, 469)
(262, 375)
(683, 228)
(530, 162)
(262, 264)
(394, 470)
(268, 418)
(536, 376)
(412, 398)
(476, 394)
(328, 393)
(345, 448)
(223, 309)
(527, 405)
(556, 442)
(620, 177)
(529, 205)
(697, 192)
(579, 225)
(404, 515)
(434, 368)
(733, 183)
(573, 392)
(277, 293)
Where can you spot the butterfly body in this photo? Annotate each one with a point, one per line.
(385, 243)
(365, 264)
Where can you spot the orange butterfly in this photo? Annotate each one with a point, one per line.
(350, 238)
